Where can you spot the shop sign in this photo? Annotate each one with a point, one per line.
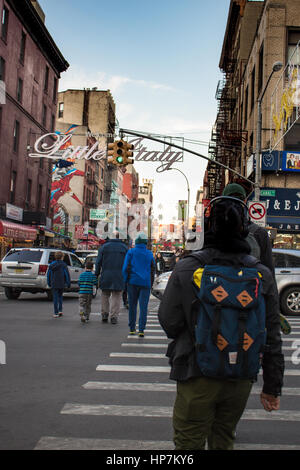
(79, 231)
(97, 214)
(60, 148)
(281, 202)
(270, 161)
(14, 212)
(291, 161)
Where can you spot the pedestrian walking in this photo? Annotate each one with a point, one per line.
(58, 278)
(138, 273)
(87, 280)
(220, 335)
(109, 265)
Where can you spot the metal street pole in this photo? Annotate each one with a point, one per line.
(188, 203)
(275, 68)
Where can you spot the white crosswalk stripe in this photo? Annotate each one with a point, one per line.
(133, 353)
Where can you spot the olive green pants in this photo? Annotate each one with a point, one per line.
(208, 410)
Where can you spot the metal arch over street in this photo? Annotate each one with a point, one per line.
(147, 136)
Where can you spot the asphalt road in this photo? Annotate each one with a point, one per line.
(68, 385)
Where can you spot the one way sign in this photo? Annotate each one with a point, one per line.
(257, 212)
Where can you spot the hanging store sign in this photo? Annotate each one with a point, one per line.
(57, 146)
(291, 161)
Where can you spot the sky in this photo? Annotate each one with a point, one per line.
(160, 59)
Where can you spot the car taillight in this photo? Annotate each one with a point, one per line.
(43, 269)
(0, 267)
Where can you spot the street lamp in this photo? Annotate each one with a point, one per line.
(188, 189)
(188, 203)
(275, 68)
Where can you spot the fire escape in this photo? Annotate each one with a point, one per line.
(227, 137)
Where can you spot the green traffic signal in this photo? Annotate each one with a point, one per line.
(119, 159)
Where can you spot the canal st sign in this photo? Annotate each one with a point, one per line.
(49, 146)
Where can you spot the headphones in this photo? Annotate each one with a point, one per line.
(245, 219)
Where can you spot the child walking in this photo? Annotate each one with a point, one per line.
(86, 281)
(57, 278)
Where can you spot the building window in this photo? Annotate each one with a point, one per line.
(16, 136)
(52, 123)
(260, 68)
(252, 87)
(46, 81)
(55, 89)
(20, 90)
(293, 39)
(2, 69)
(61, 110)
(44, 116)
(246, 107)
(28, 191)
(40, 194)
(12, 189)
(22, 49)
(4, 23)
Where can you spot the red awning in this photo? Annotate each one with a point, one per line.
(17, 231)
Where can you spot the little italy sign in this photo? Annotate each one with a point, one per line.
(52, 150)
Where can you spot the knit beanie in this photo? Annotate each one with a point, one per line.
(141, 238)
(234, 189)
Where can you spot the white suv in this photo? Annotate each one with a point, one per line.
(25, 270)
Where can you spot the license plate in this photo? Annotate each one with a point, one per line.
(18, 271)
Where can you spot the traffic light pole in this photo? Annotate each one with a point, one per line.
(155, 139)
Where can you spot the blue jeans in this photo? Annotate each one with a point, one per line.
(137, 294)
(57, 300)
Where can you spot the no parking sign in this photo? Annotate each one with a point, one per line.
(258, 213)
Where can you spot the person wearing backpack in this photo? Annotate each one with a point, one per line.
(221, 310)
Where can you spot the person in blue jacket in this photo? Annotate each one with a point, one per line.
(58, 278)
(138, 273)
(109, 264)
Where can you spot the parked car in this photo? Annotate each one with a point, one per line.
(169, 259)
(25, 270)
(287, 273)
(82, 254)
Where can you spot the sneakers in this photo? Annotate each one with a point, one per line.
(113, 320)
(55, 315)
(141, 334)
(82, 317)
(60, 314)
(104, 318)
(132, 332)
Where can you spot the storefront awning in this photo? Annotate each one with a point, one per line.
(284, 223)
(17, 231)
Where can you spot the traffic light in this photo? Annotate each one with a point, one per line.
(128, 153)
(118, 153)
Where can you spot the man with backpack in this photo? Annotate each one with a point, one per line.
(221, 309)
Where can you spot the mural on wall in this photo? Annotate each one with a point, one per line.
(62, 174)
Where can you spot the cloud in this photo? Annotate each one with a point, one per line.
(79, 78)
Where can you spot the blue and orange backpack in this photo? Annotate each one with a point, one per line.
(230, 327)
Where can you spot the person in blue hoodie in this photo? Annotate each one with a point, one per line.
(138, 272)
(57, 278)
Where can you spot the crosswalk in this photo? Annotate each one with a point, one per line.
(140, 369)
